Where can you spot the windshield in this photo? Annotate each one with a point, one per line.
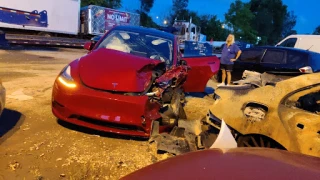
(139, 44)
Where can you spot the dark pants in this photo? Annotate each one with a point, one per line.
(227, 67)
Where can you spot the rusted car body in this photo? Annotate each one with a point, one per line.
(2, 97)
(285, 115)
(130, 78)
(238, 163)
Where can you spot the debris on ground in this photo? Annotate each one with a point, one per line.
(190, 136)
(15, 165)
(258, 79)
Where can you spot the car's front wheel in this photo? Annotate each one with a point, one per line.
(258, 141)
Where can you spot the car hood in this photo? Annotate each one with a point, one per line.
(113, 70)
(237, 163)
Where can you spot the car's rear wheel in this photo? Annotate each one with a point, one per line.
(258, 141)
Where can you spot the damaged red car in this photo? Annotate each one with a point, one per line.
(131, 78)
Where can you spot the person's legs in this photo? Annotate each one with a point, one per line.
(223, 72)
(229, 77)
(229, 69)
(223, 76)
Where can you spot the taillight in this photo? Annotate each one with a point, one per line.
(306, 69)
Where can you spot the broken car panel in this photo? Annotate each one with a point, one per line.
(284, 115)
(132, 77)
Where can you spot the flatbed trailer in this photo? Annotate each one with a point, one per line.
(44, 41)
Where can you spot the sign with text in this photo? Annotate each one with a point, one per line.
(114, 18)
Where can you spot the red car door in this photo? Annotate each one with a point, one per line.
(202, 69)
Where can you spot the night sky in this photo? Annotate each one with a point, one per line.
(306, 10)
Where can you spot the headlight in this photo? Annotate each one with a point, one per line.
(67, 73)
(66, 79)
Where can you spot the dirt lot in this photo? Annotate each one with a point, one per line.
(40, 147)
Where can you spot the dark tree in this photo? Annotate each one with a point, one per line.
(145, 19)
(240, 18)
(317, 31)
(146, 5)
(269, 19)
(213, 28)
(288, 24)
(179, 10)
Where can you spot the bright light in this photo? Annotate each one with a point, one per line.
(157, 17)
(68, 84)
(165, 22)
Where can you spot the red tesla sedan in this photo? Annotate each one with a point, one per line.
(130, 78)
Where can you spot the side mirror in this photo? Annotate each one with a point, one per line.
(88, 46)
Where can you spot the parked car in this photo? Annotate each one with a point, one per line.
(283, 115)
(130, 78)
(244, 45)
(302, 41)
(238, 163)
(278, 60)
(2, 97)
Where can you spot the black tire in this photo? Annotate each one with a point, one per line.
(259, 141)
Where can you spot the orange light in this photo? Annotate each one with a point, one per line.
(67, 84)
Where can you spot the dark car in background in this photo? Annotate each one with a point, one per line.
(278, 60)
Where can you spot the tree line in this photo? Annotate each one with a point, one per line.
(268, 19)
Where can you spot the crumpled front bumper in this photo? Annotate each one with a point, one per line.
(104, 111)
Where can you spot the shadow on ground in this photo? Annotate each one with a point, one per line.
(207, 91)
(28, 48)
(96, 132)
(10, 121)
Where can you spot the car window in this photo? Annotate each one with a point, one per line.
(289, 42)
(274, 57)
(252, 55)
(296, 57)
(139, 44)
(307, 99)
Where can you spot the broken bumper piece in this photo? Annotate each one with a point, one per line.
(182, 140)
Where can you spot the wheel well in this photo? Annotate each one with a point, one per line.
(257, 105)
(273, 142)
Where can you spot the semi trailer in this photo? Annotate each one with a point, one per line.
(58, 22)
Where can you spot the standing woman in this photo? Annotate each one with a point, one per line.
(230, 53)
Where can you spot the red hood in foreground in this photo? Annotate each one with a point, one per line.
(238, 163)
(107, 69)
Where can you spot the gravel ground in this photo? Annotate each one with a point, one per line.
(40, 147)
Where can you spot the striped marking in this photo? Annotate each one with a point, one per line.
(20, 12)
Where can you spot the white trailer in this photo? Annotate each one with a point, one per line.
(54, 16)
(24, 20)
